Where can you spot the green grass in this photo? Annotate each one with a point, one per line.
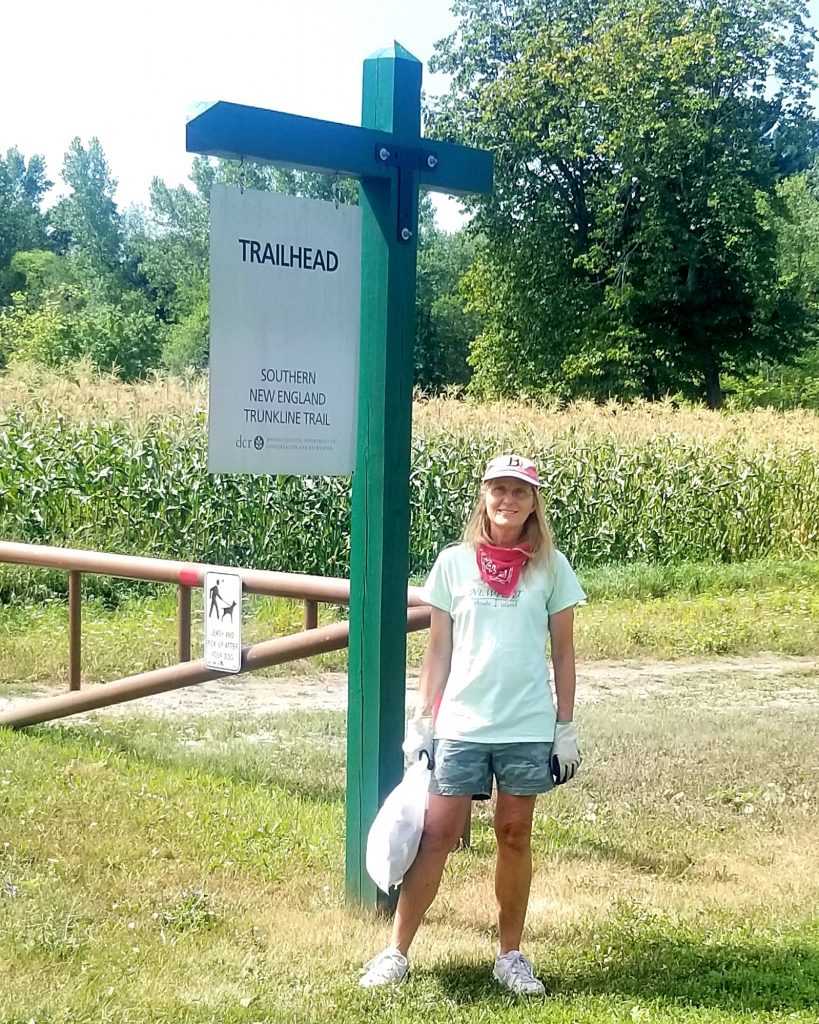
(636, 612)
(156, 870)
(640, 580)
(137, 635)
(781, 619)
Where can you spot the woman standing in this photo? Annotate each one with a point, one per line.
(494, 599)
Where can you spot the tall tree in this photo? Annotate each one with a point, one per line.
(22, 223)
(626, 251)
(87, 222)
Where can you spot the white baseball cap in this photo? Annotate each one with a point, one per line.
(512, 465)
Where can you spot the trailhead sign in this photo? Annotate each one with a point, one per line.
(392, 161)
(285, 286)
(223, 621)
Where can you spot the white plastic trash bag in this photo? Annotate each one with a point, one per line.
(395, 835)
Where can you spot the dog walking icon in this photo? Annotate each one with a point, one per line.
(215, 598)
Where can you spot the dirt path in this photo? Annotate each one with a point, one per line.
(775, 680)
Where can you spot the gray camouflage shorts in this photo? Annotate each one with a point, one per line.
(468, 769)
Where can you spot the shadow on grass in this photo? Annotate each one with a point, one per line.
(692, 971)
(466, 983)
(667, 863)
(294, 773)
(732, 977)
(588, 843)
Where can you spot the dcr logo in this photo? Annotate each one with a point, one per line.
(245, 442)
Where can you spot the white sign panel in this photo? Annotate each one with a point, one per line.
(285, 276)
(223, 621)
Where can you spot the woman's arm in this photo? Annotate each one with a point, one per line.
(561, 631)
(436, 664)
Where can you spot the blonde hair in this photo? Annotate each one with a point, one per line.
(536, 531)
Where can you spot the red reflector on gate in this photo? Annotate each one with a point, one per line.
(189, 577)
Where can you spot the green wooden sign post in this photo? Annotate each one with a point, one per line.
(392, 161)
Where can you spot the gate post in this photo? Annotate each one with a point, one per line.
(74, 629)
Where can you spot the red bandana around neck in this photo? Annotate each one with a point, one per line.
(500, 568)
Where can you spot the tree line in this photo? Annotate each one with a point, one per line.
(130, 290)
(653, 230)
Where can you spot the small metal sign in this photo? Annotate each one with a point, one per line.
(223, 621)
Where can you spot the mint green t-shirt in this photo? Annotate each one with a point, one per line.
(498, 689)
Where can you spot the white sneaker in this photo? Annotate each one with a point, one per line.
(515, 972)
(389, 968)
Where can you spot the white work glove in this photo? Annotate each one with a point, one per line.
(418, 739)
(566, 757)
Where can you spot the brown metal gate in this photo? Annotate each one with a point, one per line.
(186, 576)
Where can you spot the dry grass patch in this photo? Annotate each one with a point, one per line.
(83, 394)
(581, 896)
(524, 424)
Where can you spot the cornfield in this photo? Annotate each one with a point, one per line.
(667, 496)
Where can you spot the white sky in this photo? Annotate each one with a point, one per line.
(128, 72)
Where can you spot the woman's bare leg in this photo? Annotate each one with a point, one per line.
(446, 817)
(513, 871)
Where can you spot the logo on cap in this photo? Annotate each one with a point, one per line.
(515, 466)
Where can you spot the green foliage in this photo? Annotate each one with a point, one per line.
(22, 224)
(778, 386)
(171, 248)
(793, 215)
(626, 251)
(38, 272)
(186, 347)
(80, 304)
(60, 319)
(651, 230)
(43, 332)
(445, 329)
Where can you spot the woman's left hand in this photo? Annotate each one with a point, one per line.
(566, 757)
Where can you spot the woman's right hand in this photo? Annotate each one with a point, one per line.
(418, 738)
